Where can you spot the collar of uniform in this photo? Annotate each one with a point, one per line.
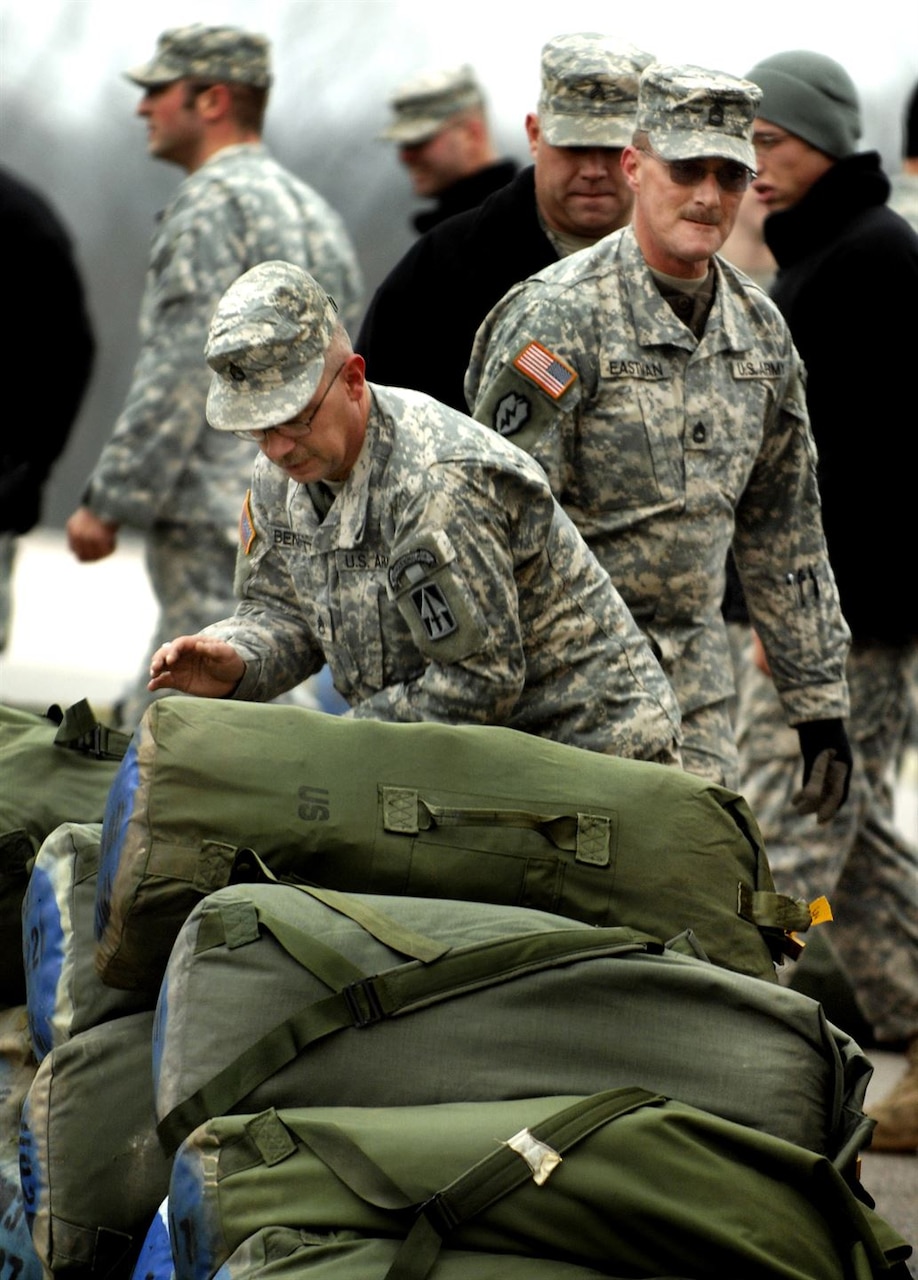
(728, 326)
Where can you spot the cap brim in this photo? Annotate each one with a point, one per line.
(148, 75)
(586, 131)
(700, 144)
(412, 134)
(235, 406)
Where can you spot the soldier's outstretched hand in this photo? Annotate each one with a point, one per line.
(198, 665)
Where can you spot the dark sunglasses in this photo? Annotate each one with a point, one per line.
(730, 174)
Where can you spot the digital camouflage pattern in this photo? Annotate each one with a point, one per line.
(207, 54)
(689, 112)
(444, 584)
(589, 90)
(267, 344)
(240, 208)
(163, 465)
(663, 450)
(862, 863)
(422, 105)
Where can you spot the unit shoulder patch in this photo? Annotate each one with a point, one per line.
(511, 413)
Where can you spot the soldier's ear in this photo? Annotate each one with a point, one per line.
(631, 164)
(353, 376)
(215, 102)
(532, 132)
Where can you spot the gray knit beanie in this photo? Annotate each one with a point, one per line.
(811, 96)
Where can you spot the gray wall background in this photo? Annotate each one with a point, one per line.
(67, 122)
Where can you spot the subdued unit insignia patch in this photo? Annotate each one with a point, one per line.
(247, 531)
(413, 566)
(433, 610)
(511, 414)
(545, 369)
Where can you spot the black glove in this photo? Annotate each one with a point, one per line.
(827, 765)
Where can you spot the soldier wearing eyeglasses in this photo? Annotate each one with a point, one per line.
(660, 390)
(416, 553)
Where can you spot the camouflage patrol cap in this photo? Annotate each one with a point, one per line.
(423, 105)
(266, 345)
(206, 53)
(690, 112)
(589, 90)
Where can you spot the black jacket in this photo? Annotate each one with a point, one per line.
(467, 193)
(49, 347)
(847, 284)
(419, 328)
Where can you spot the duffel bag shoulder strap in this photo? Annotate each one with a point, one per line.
(366, 999)
(530, 1154)
(79, 730)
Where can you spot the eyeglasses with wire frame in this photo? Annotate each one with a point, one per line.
(731, 176)
(292, 430)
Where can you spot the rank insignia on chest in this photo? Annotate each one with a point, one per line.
(247, 533)
(545, 369)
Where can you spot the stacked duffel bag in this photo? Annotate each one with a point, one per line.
(440, 1001)
(53, 766)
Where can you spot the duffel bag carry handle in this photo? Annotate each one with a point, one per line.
(589, 836)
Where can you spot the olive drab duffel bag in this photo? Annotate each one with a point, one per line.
(392, 1001)
(93, 1172)
(55, 768)
(430, 810)
(64, 993)
(625, 1181)
(283, 1254)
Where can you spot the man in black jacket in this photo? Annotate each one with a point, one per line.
(847, 264)
(42, 277)
(440, 126)
(572, 196)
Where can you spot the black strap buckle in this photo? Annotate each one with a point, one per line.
(363, 1003)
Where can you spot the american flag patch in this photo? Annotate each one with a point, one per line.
(247, 524)
(544, 368)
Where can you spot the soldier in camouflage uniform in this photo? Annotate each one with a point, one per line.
(164, 471)
(660, 390)
(421, 556)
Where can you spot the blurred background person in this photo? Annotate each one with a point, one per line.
(163, 471)
(43, 287)
(904, 194)
(846, 265)
(440, 125)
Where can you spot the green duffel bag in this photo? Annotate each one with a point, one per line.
(93, 1172)
(64, 993)
(278, 1253)
(55, 768)
(394, 1001)
(624, 1181)
(429, 810)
